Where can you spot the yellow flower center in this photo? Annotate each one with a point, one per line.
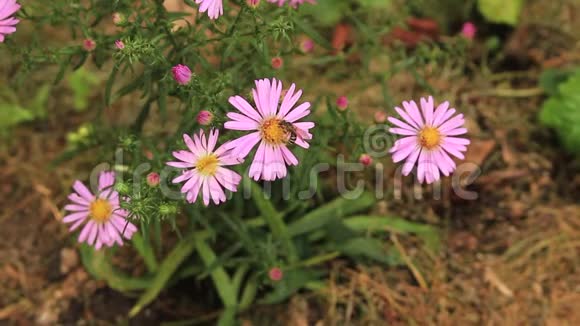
(274, 132)
(429, 137)
(207, 165)
(100, 210)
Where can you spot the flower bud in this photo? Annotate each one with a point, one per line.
(181, 74)
(275, 274)
(469, 30)
(89, 44)
(380, 117)
(119, 44)
(204, 117)
(365, 159)
(342, 103)
(122, 188)
(277, 62)
(253, 3)
(153, 179)
(167, 209)
(306, 45)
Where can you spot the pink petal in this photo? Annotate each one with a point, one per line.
(401, 124)
(452, 123)
(243, 106)
(298, 113)
(410, 162)
(455, 132)
(413, 111)
(82, 190)
(242, 146)
(404, 132)
(258, 163)
(75, 217)
(439, 113)
(427, 109)
(407, 118)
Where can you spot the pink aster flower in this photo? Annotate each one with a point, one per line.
(214, 8)
(273, 125)
(7, 20)
(429, 139)
(292, 3)
(204, 168)
(106, 222)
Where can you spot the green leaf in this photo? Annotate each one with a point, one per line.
(13, 114)
(427, 233)
(82, 83)
(274, 220)
(501, 11)
(562, 112)
(370, 248)
(97, 265)
(327, 12)
(145, 249)
(219, 276)
(167, 268)
(551, 79)
(337, 208)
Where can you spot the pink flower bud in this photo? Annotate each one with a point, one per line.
(89, 44)
(380, 117)
(365, 159)
(148, 154)
(468, 30)
(204, 117)
(253, 3)
(306, 45)
(277, 62)
(342, 103)
(181, 74)
(153, 179)
(275, 274)
(119, 44)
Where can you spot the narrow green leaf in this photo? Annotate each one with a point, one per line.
(219, 276)
(337, 208)
(109, 85)
(274, 220)
(146, 252)
(183, 249)
(368, 248)
(427, 233)
(97, 265)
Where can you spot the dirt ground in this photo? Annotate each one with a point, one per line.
(510, 257)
